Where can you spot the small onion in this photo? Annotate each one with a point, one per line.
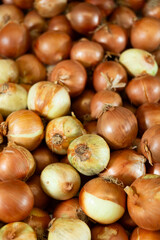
(49, 100)
(106, 6)
(60, 23)
(60, 181)
(140, 233)
(89, 154)
(102, 200)
(19, 230)
(138, 62)
(143, 201)
(9, 71)
(60, 132)
(151, 9)
(69, 228)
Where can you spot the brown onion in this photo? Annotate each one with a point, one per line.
(87, 52)
(156, 54)
(16, 201)
(102, 201)
(151, 9)
(143, 201)
(118, 126)
(126, 165)
(91, 127)
(7, 1)
(60, 23)
(9, 71)
(154, 169)
(24, 4)
(109, 75)
(150, 144)
(70, 74)
(109, 232)
(14, 40)
(133, 4)
(127, 222)
(102, 98)
(140, 233)
(52, 47)
(106, 6)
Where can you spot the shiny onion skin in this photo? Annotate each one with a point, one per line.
(84, 18)
(60, 23)
(151, 9)
(133, 4)
(143, 89)
(19, 230)
(106, 6)
(49, 100)
(52, 46)
(102, 98)
(25, 128)
(112, 37)
(13, 97)
(148, 115)
(109, 232)
(103, 201)
(109, 75)
(16, 162)
(118, 126)
(126, 165)
(9, 71)
(138, 62)
(24, 4)
(16, 201)
(150, 144)
(50, 8)
(60, 132)
(31, 70)
(89, 154)
(87, 52)
(142, 234)
(70, 74)
(143, 201)
(145, 34)
(14, 40)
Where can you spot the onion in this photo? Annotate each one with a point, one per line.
(9, 71)
(49, 100)
(142, 89)
(24, 4)
(156, 54)
(118, 126)
(151, 9)
(70, 74)
(60, 132)
(112, 37)
(31, 70)
(133, 4)
(140, 233)
(7, 1)
(102, 98)
(68, 228)
(89, 154)
(127, 222)
(60, 23)
(84, 18)
(19, 230)
(16, 201)
(102, 200)
(41, 200)
(109, 75)
(145, 34)
(113, 231)
(106, 6)
(14, 40)
(53, 46)
(91, 127)
(13, 97)
(23, 127)
(126, 165)
(60, 181)
(43, 157)
(150, 144)
(138, 62)
(87, 52)
(49, 8)
(148, 115)
(143, 201)
(154, 169)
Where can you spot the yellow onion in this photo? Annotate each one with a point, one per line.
(142, 234)
(8, 71)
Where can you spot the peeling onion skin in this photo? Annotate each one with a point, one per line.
(102, 200)
(142, 234)
(143, 200)
(19, 229)
(109, 232)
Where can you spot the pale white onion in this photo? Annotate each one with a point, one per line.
(8, 71)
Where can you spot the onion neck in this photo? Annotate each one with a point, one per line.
(147, 151)
(131, 192)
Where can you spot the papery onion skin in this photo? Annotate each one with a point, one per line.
(19, 230)
(109, 232)
(126, 165)
(9, 71)
(49, 100)
(102, 200)
(89, 154)
(60, 181)
(60, 132)
(143, 200)
(16, 201)
(118, 126)
(69, 228)
(142, 234)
